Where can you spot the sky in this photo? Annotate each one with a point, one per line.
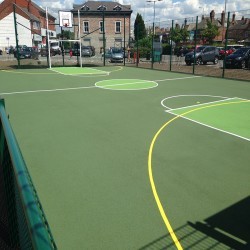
(163, 9)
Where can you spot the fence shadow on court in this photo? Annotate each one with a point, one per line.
(227, 229)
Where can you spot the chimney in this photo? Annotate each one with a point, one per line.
(29, 1)
(212, 13)
(222, 18)
(233, 18)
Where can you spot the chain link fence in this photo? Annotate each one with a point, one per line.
(201, 45)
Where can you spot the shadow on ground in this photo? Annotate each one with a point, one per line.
(227, 229)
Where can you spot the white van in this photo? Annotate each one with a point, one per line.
(55, 46)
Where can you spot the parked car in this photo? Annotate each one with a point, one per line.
(92, 48)
(182, 51)
(229, 50)
(116, 54)
(203, 54)
(108, 54)
(24, 53)
(1, 52)
(53, 52)
(239, 59)
(87, 51)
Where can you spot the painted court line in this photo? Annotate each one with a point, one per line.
(81, 73)
(206, 125)
(150, 169)
(179, 78)
(202, 104)
(177, 96)
(66, 89)
(44, 90)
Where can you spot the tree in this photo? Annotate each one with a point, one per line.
(210, 32)
(66, 35)
(139, 28)
(179, 34)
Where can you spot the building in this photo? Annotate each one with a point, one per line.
(240, 29)
(93, 14)
(31, 24)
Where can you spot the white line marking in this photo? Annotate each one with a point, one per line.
(44, 90)
(205, 103)
(173, 79)
(99, 72)
(223, 131)
(176, 96)
(126, 83)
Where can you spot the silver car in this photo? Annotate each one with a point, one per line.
(116, 55)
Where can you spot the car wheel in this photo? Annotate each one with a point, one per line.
(216, 60)
(188, 63)
(198, 61)
(204, 63)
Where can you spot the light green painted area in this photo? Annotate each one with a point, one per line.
(126, 84)
(78, 71)
(231, 115)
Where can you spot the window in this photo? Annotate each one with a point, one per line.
(117, 27)
(117, 8)
(36, 25)
(102, 8)
(86, 27)
(85, 8)
(101, 26)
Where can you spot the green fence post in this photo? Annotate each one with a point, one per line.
(226, 38)
(195, 42)
(16, 33)
(171, 45)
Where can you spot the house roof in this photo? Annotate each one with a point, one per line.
(95, 5)
(42, 10)
(242, 24)
(31, 16)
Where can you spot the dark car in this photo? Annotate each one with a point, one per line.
(53, 52)
(1, 52)
(203, 55)
(182, 51)
(24, 53)
(92, 48)
(239, 59)
(87, 51)
(229, 50)
(107, 54)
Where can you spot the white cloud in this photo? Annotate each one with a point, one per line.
(165, 10)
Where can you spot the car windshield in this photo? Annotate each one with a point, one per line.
(116, 50)
(199, 49)
(241, 51)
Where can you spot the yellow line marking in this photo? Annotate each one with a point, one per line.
(150, 172)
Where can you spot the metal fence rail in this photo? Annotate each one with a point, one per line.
(22, 221)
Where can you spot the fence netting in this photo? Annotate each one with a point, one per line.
(167, 45)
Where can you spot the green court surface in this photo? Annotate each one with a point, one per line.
(162, 167)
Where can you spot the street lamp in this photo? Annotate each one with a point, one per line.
(153, 1)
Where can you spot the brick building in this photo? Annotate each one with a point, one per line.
(32, 23)
(117, 23)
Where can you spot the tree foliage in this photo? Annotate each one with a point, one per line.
(210, 32)
(139, 28)
(179, 34)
